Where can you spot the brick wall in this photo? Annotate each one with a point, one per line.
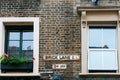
(60, 34)
(59, 27)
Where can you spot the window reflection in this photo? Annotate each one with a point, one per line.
(27, 49)
(95, 38)
(102, 60)
(14, 35)
(20, 43)
(102, 37)
(27, 45)
(102, 53)
(28, 54)
(27, 35)
(13, 48)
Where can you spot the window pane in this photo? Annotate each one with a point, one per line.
(28, 54)
(95, 38)
(109, 38)
(27, 35)
(102, 37)
(102, 60)
(27, 45)
(110, 59)
(14, 35)
(94, 60)
(102, 53)
(13, 48)
(27, 49)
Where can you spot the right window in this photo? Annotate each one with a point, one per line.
(102, 50)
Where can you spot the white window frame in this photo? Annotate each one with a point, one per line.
(97, 16)
(34, 21)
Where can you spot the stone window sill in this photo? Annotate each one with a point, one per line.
(19, 74)
(99, 74)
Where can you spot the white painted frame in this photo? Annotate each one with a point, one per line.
(22, 21)
(96, 19)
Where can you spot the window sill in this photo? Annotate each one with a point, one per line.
(99, 74)
(19, 74)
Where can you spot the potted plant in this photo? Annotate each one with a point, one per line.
(16, 63)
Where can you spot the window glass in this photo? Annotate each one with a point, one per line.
(102, 53)
(94, 60)
(110, 59)
(27, 45)
(102, 60)
(109, 38)
(102, 37)
(27, 35)
(19, 41)
(14, 35)
(13, 48)
(95, 38)
(27, 49)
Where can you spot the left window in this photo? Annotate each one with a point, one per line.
(20, 36)
(19, 41)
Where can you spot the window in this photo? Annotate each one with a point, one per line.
(102, 53)
(100, 40)
(19, 41)
(24, 43)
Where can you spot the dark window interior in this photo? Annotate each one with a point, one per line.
(19, 41)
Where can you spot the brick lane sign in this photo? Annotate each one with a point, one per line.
(61, 57)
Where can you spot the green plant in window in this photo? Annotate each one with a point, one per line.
(14, 60)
